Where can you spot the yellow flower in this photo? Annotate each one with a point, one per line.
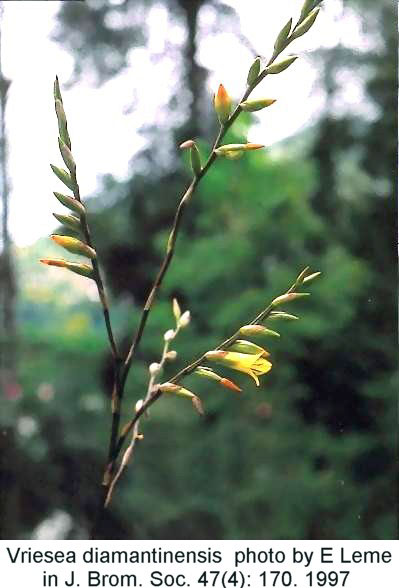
(253, 365)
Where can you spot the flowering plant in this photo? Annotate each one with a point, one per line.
(236, 353)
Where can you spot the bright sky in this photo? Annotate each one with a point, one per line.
(103, 137)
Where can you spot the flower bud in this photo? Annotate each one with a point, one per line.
(216, 355)
(187, 144)
(301, 276)
(62, 122)
(306, 8)
(57, 91)
(253, 330)
(70, 203)
(281, 41)
(311, 277)
(257, 331)
(254, 105)
(306, 24)
(280, 66)
(171, 355)
(206, 372)
(253, 72)
(68, 220)
(154, 368)
(78, 268)
(229, 384)
(282, 315)
(195, 156)
(170, 388)
(223, 104)
(176, 309)
(64, 176)
(169, 335)
(74, 245)
(81, 269)
(197, 404)
(224, 150)
(288, 297)
(184, 319)
(66, 155)
(242, 346)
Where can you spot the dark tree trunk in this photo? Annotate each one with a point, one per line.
(8, 380)
(195, 75)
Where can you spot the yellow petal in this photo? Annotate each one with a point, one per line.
(250, 373)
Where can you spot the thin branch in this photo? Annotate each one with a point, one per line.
(116, 391)
(135, 433)
(97, 273)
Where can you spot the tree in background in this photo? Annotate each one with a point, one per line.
(8, 375)
(355, 155)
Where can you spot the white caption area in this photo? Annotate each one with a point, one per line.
(207, 564)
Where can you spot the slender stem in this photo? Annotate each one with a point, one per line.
(158, 280)
(135, 433)
(97, 273)
(116, 391)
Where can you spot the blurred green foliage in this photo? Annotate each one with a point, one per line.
(310, 453)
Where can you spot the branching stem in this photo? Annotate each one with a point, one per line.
(116, 444)
(122, 368)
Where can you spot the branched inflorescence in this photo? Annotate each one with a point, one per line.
(239, 352)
